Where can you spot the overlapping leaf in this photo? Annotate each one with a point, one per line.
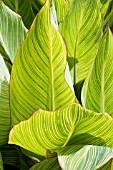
(97, 91)
(84, 157)
(4, 103)
(47, 164)
(69, 126)
(23, 8)
(37, 4)
(81, 29)
(10, 155)
(107, 166)
(104, 4)
(37, 79)
(12, 32)
(54, 22)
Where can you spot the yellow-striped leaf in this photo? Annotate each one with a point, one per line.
(23, 8)
(82, 30)
(37, 79)
(70, 126)
(84, 157)
(4, 103)
(97, 92)
(12, 32)
(104, 4)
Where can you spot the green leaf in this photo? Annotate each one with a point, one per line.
(4, 103)
(107, 166)
(104, 4)
(1, 163)
(54, 22)
(10, 155)
(70, 126)
(37, 79)
(84, 157)
(82, 31)
(97, 91)
(109, 15)
(12, 32)
(5, 57)
(37, 5)
(23, 8)
(61, 9)
(47, 164)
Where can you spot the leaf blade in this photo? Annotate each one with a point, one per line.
(69, 126)
(82, 31)
(99, 100)
(12, 34)
(84, 157)
(43, 73)
(4, 103)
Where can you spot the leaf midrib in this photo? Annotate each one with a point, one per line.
(52, 106)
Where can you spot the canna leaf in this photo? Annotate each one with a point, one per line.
(37, 79)
(10, 155)
(23, 8)
(37, 5)
(104, 4)
(97, 91)
(82, 31)
(12, 33)
(73, 125)
(84, 157)
(4, 103)
(107, 166)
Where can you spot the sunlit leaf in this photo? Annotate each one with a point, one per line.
(97, 91)
(37, 79)
(82, 30)
(70, 126)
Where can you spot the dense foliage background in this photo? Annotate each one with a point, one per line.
(56, 80)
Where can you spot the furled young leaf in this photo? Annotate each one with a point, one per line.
(97, 91)
(37, 79)
(4, 103)
(70, 126)
(12, 32)
(1, 163)
(47, 164)
(81, 29)
(23, 8)
(84, 157)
